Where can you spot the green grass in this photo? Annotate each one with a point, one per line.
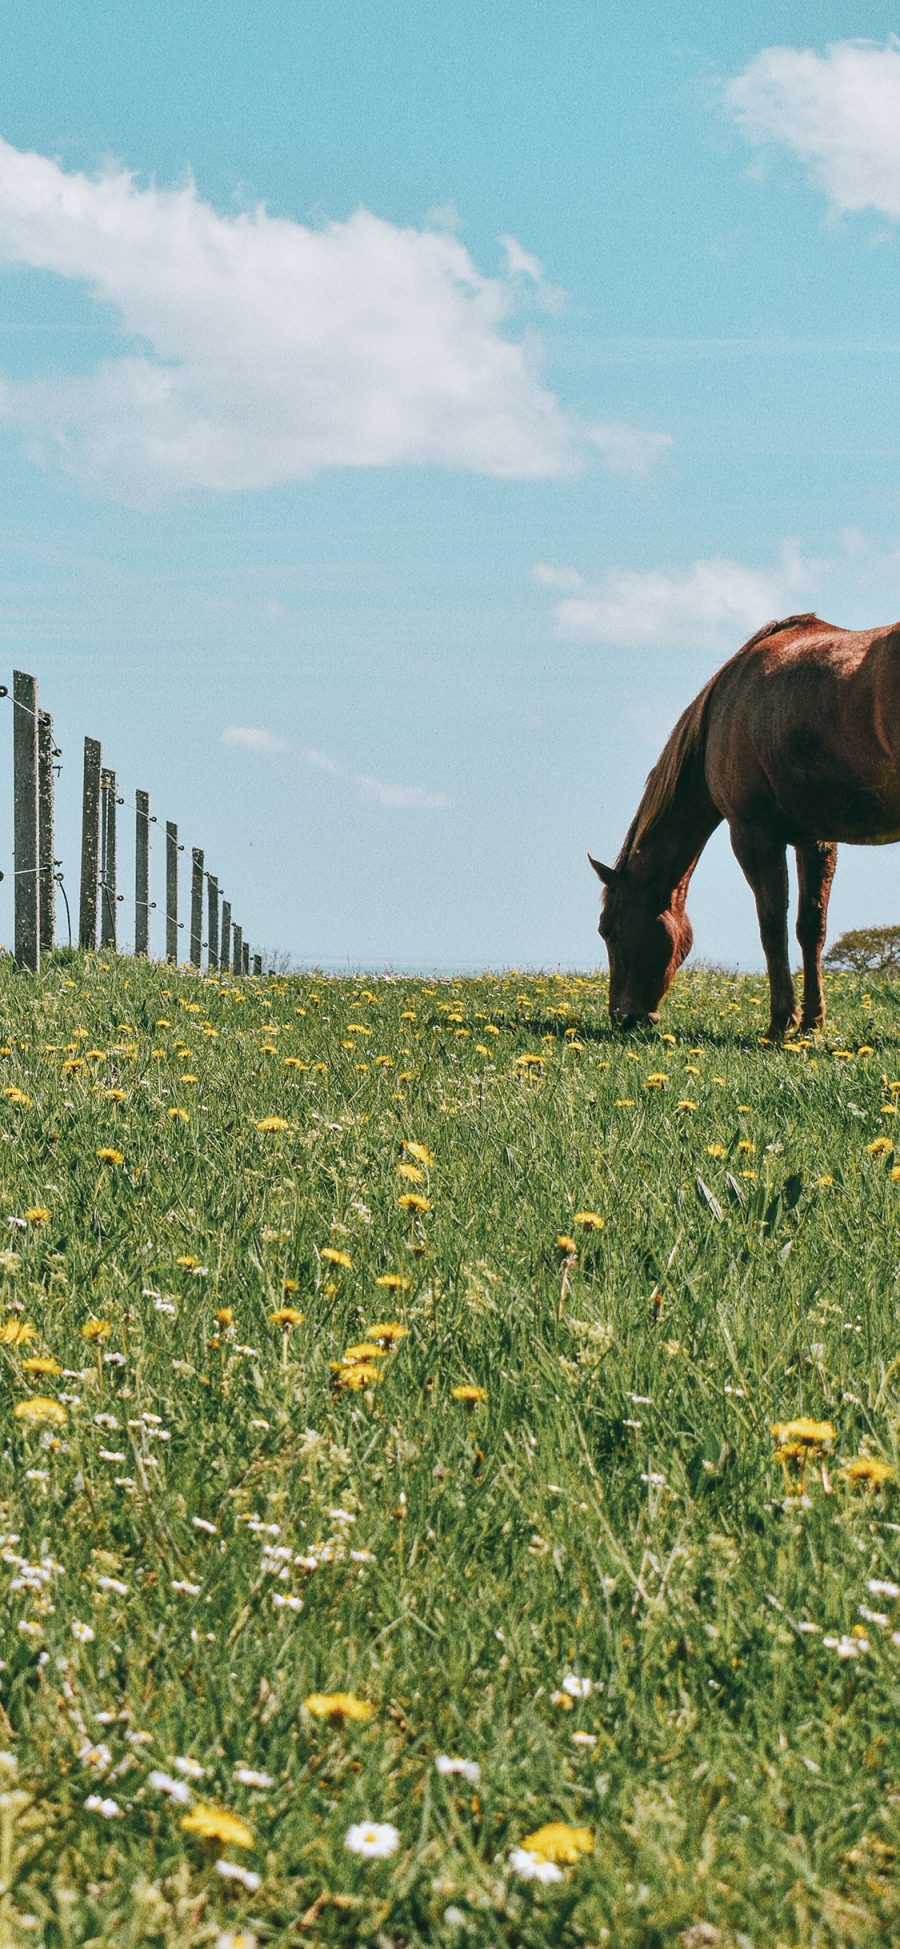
(613, 1508)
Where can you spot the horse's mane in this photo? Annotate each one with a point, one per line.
(685, 744)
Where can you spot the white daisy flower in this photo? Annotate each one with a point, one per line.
(375, 1839)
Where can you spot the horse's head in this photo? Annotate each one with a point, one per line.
(646, 942)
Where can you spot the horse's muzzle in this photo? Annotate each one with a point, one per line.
(624, 1020)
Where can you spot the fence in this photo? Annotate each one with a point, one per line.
(38, 871)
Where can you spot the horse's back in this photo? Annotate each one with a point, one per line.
(803, 727)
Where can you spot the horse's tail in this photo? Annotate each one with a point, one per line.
(686, 744)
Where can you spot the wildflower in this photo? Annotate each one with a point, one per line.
(38, 1215)
(411, 1173)
(334, 1256)
(41, 1364)
(247, 1878)
(387, 1330)
(17, 1333)
(217, 1824)
(354, 1375)
(532, 1867)
(14, 1095)
(246, 1777)
(178, 1114)
(286, 1316)
(468, 1393)
(895, 1173)
(40, 1408)
(576, 1687)
(395, 1281)
(867, 1468)
(883, 1587)
(225, 1316)
(589, 1220)
(559, 1842)
(175, 1789)
(374, 1839)
(413, 1201)
(687, 1103)
(234, 1938)
(586, 1739)
(96, 1329)
(419, 1152)
(273, 1123)
(82, 1632)
(566, 1243)
(847, 1647)
(657, 1081)
(880, 1147)
(108, 1155)
(805, 1432)
(109, 1809)
(716, 1150)
(340, 1706)
(465, 1769)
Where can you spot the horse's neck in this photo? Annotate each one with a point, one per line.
(664, 858)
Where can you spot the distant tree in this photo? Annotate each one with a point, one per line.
(867, 950)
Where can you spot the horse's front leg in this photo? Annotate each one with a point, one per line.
(815, 872)
(763, 861)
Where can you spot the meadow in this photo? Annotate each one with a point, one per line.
(449, 1464)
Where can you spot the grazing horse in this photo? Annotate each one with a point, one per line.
(796, 742)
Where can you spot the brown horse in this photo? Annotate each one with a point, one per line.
(796, 742)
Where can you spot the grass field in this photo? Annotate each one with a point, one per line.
(266, 1570)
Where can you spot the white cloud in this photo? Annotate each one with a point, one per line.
(628, 449)
(263, 351)
(402, 798)
(711, 604)
(838, 112)
(252, 737)
(551, 577)
(320, 761)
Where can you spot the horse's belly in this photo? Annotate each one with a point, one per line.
(847, 811)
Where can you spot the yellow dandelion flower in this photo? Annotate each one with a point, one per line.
(591, 1221)
(624, 1103)
(414, 1201)
(411, 1173)
(809, 1433)
(419, 1152)
(396, 1282)
(40, 1407)
(96, 1330)
(867, 1468)
(895, 1173)
(14, 1095)
(178, 1114)
(38, 1215)
(364, 1350)
(657, 1081)
(214, 1823)
(559, 1842)
(566, 1243)
(387, 1330)
(108, 1155)
(880, 1147)
(824, 1181)
(17, 1333)
(335, 1257)
(340, 1706)
(286, 1316)
(686, 1104)
(469, 1394)
(188, 1260)
(225, 1316)
(716, 1150)
(273, 1123)
(355, 1375)
(41, 1363)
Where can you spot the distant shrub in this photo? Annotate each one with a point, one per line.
(867, 950)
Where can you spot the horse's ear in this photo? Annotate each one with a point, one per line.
(605, 873)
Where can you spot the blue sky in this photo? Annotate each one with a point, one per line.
(404, 408)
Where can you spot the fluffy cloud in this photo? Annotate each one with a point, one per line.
(711, 605)
(839, 112)
(264, 351)
(399, 798)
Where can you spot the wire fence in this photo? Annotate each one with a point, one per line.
(38, 874)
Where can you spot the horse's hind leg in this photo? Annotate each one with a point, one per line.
(763, 860)
(815, 872)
